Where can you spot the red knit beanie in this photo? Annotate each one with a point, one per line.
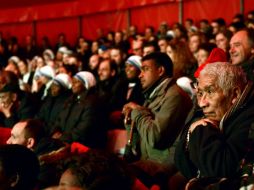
(217, 55)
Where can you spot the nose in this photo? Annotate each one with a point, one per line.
(202, 101)
(8, 141)
(231, 50)
(140, 75)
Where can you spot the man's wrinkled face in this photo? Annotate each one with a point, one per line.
(240, 48)
(211, 98)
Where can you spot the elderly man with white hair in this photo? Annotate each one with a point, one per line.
(82, 117)
(214, 143)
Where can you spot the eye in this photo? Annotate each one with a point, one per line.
(199, 93)
(209, 91)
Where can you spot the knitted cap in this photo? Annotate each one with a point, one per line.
(217, 55)
(135, 60)
(63, 80)
(49, 53)
(47, 71)
(14, 59)
(63, 50)
(87, 78)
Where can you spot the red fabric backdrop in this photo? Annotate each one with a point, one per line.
(154, 15)
(198, 9)
(54, 18)
(110, 21)
(52, 28)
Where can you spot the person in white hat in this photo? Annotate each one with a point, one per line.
(60, 91)
(43, 81)
(132, 70)
(82, 118)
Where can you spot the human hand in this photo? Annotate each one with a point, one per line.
(5, 108)
(127, 108)
(57, 135)
(202, 122)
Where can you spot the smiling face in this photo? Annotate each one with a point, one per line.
(131, 71)
(240, 48)
(212, 99)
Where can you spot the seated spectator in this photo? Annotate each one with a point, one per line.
(215, 141)
(159, 121)
(222, 40)
(110, 87)
(82, 117)
(133, 70)
(15, 104)
(150, 47)
(204, 51)
(184, 63)
(27, 76)
(43, 81)
(19, 168)
(96, 170)
(31, 134)
(241, 51)
(54, 102)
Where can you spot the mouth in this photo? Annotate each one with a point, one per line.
(209, 114)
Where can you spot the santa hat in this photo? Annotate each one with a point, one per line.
(217, 55)
(87, 78)
(47, 71)
(63, 80)
(135, 60)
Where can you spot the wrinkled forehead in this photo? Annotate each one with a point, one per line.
(206, 81)
(240, 36)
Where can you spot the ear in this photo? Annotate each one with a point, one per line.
(13, 181)
(236, 93)
(113, 73)
(14, 97)
(161, 71)
(30, 143)
(252, 51)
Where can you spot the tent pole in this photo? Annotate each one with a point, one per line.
(34, 33)
(242, 6)
(79, 26)
(180, 11)
(128, 18)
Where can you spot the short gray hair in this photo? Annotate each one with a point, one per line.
(228, 76)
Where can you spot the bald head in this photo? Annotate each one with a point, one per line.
(241, 47)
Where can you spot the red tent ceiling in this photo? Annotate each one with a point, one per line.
(24, 3)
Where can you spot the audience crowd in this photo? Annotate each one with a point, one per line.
(182, 93)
